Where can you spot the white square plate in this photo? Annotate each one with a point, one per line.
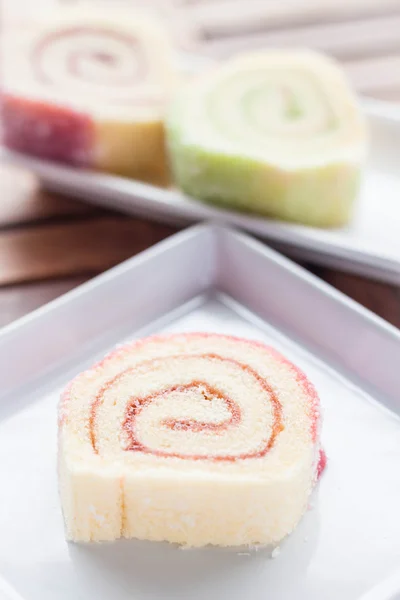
(217, 280)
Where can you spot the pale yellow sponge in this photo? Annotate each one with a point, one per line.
(194, 438)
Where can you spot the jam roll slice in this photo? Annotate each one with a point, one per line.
(192, 438)
(90, 91)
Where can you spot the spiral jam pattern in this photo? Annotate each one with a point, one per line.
(172, 430)
(94, 60)
(90, 91)
(225, 417)
(90, 55)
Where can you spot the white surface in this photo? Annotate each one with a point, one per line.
(348, 542)
(370, 245)
(386, 590)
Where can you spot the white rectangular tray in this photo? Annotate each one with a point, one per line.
(369, 246)
(208, 278)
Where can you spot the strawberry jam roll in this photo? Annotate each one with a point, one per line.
(274, 133)
(192, 438)
(90, 90)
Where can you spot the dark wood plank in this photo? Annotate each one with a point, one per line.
(381, 298)
(89, 246)
(18, 300)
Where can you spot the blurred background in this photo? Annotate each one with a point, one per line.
(363, 34)
(50, 244)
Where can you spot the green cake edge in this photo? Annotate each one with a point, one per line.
(321, 196)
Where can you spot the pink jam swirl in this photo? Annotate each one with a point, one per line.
(103, 57)
(136, 405)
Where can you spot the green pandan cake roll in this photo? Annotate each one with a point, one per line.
(275, 133)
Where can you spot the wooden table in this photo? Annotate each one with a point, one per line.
(50, 244)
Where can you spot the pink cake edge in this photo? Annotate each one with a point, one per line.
(70, 133)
